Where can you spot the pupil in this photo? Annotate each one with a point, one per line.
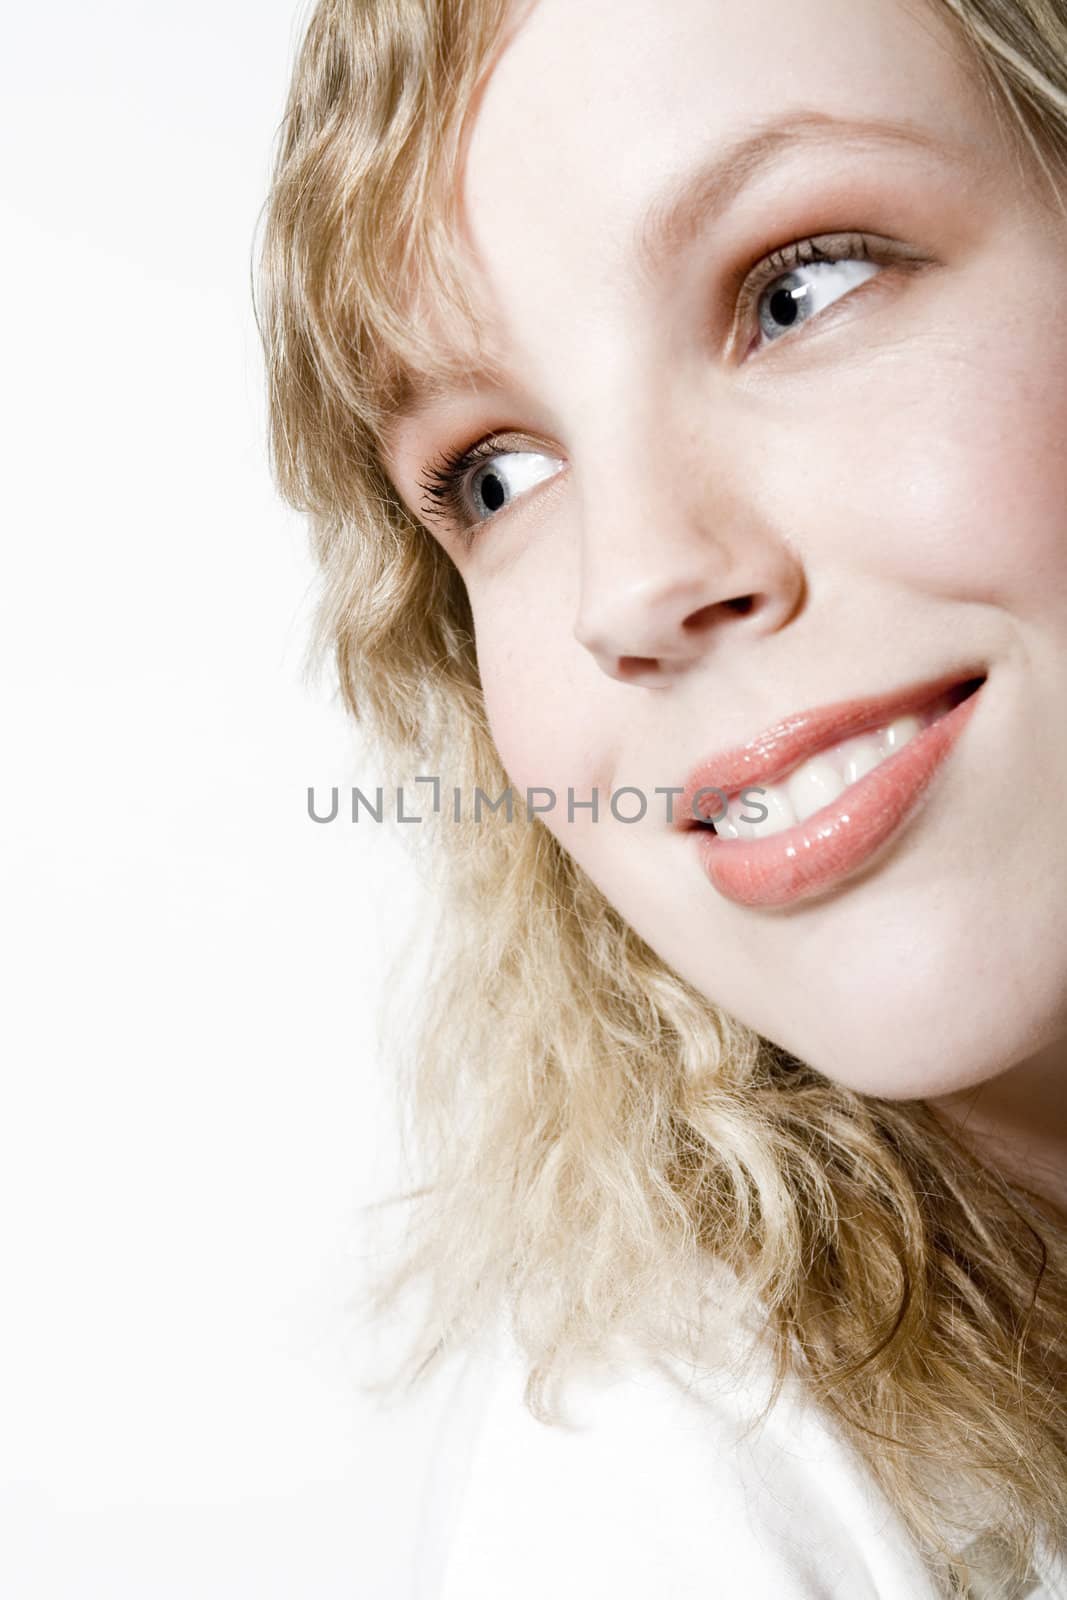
(784, 305)
(492, 492)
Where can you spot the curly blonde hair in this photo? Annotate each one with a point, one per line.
(593, 1131)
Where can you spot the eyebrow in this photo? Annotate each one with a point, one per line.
(702, 196)
(454, 375)
(676, 218)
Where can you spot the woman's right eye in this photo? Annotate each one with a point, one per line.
(468, 487)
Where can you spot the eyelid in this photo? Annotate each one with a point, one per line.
(831, 247)
(444, 477)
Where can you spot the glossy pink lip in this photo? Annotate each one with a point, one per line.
(773, 754)
(832, 844)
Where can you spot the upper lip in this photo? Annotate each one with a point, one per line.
(772, 754)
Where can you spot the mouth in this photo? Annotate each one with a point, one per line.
(806, 761)
(834, 802)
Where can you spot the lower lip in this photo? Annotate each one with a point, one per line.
(836, 841)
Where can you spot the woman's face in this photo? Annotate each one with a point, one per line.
(727, 489)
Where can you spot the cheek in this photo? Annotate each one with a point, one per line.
(541, 692)
(950, 476)
(989, 488)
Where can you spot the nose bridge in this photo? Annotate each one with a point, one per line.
(676, 552)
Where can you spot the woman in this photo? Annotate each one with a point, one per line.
(677, 392)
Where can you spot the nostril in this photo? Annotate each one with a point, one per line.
(700, 620)
(637, 666)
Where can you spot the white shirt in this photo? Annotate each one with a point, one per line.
(650, 1491)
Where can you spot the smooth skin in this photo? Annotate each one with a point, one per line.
(709, 527)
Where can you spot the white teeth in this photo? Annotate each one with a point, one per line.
(900, 732)
(813, 786)
(780, 811)
(818, 781)
(863, 756)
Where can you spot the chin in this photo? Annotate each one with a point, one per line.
(960, 1051)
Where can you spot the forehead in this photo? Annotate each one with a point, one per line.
(605, 133)
(593, 105)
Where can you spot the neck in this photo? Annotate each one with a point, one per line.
(1017, 1122)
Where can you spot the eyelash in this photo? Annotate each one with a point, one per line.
(444, 477)
(831, 247)
(443, 482)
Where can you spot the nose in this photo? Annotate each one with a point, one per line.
(663, 588)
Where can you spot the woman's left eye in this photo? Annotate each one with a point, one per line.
(798, 282)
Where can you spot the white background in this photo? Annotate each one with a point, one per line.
(193, 1110)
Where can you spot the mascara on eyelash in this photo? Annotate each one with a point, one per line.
(441, 479)
(829, 248)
